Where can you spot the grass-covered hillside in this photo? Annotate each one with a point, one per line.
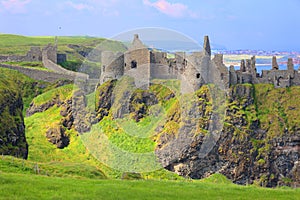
(17, 44)
(83, 53)
(257, 115)
(122, 142)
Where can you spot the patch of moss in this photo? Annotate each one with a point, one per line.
(61, 93)
(278, 109)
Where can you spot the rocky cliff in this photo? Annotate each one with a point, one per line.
(258, 143)
(249, 149)
(12, 128)
(255, 141)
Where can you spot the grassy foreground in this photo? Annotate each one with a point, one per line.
(24, 186)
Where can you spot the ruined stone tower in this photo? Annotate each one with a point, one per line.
(274, 63)
(290, 65)
(112, 66)
(198, 69)
(50, 51)
(137, 63)
(206, 46)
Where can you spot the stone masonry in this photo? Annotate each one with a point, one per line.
(144, 64)
(194, 70)
(48, 55)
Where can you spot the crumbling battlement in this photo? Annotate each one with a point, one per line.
(35, 54)
(39, 74)
(144, 64)
(48, 55)
(279, 78)
(193, 70)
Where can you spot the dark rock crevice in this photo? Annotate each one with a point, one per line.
(12, 128)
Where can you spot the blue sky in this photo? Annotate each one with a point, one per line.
(236, 24)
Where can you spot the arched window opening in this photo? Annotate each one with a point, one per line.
(133, 64)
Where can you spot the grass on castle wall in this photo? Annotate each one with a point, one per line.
(34, 64)
(30, 65)
(24, 186)
(168, 85)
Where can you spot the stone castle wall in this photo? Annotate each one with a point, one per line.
(112, 66)
(35, 54)
(279, 78)
(39, 74)
(51, 52)
(48, 56)
(144, 64)
(15, 58)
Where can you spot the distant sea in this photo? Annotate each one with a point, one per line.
(259, 67)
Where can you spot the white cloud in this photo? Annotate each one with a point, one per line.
(105, 7)
(177, 10)
(104, 3)
(79, 6)
(15, 6)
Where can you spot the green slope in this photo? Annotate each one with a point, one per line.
(21, 186)
(77, 49)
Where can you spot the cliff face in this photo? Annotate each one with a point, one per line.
(16, 93)
(259, 142)
(12, 128)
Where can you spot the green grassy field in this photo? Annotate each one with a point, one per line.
(77, 49)
(17, 44)
(24, 186)
(73, 172)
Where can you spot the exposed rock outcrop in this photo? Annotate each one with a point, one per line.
(104, 98)
(56, 135)
(12, 128)
(245, 152)
(82, 118)
(43, 107)
(248, 149)
(140, 101)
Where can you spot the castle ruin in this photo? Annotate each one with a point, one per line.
(193, 70)
(35, 54)
(49, 57)
(279, 78)
(144, 64)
